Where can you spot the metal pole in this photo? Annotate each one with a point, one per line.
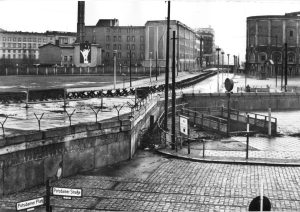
(222, 68)
(150, 55)
(276, 64)
(156, 66)
(173, 91)
(228, 65)
(286, 67)
(201, 40)
(228, 115)
(218, 50)
(269, 123)
(47, 201)
(247, 141)
(167, 69)
(115, 69)
(130, 68)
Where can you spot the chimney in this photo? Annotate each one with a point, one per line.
(80, 23)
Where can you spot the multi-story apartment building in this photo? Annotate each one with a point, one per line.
(266, 38)
(18, 47)
(187, 44)
(123, 40)
(207, 36)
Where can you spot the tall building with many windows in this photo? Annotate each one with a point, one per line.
(18, 47)
(124, 40)
(265, 47)
(208, 44)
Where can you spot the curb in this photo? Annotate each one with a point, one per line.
(235, 162)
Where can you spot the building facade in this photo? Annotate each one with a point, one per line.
(265, 48)
(207, 35)
(187, 44)
(18, 47)
(124, 41)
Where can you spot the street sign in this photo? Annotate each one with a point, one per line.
(67, 193)
(30, 204)
(183, 123)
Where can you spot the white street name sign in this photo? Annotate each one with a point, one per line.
(183, 121)
(67, 192)
(30, 203)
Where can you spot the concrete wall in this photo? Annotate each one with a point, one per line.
(28, 160)
(246, 101)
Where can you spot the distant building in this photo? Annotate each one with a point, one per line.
(122, 39)
(208, 45)
(187, 44)
(266, 36)
(18, 47)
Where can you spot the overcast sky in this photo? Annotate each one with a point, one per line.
(226, 17)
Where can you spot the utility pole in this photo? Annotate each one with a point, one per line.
(228, 64)
(218, 50)
(167, 69)
(173, 92)
(222, 67)
(130, 67)
(156, 65)
(286, 67)
(201, 40)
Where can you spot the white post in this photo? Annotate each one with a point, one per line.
(6, 71)
(261, 194)
(17, 70)
(46, 71)
(270, 123)
(72, 70)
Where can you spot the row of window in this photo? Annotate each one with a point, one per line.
(119, 46)
(68, 58)
(118, 30)
(19, 51)
(119, 38)
(19, 56)
(119, 55)
(19, 45)
(25, 39)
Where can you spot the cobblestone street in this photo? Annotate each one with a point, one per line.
(178, 185)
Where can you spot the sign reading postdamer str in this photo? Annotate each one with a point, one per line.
(183, 121)
(30, 204)
(67, 192)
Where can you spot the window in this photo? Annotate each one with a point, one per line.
(19, 51)
(128, 54)
(19, 45)
(14, 39)
(128, 38)
(39, 40)
(133, 55)
(119, 47)
(29, 45)
(24, 45)
(24, 39)
(14, 51)
(133, 47)
(119, 55)
(34, 45)
(142, 47)
(8, 39)
(142, 55)
(3, 44)
(133, 38)
(71, 58)
(291, 33)
(34, 39)
(263, 57)
(19, 39)
(107, 38)
(14, 45)
(8, 45)
(107, 54)
(115, 38)
(4, 38)
(107, 30)
(65, 58)
(114, 46)
(128, 46)
(8, 51)
(119, 38)
(29, 39)
(107, 46)
(44, 40)
(142, 38)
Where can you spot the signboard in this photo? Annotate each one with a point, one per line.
(30, 204)
(67, 193)
(183, 123)
(85, 52)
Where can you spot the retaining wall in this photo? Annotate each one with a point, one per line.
(30, 159)
(246, 101)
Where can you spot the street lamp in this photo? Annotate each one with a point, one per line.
(115, 67)
(222, 66)
(218, 50)
(150, 57)
(228, 65)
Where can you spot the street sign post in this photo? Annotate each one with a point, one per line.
(183, 123)
(29, 205)
(67, 193)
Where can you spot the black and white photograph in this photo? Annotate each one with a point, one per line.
(149, 105)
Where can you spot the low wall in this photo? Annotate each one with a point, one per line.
(30, 159)
(245, 101)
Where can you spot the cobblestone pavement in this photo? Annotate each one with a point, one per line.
(178, 185)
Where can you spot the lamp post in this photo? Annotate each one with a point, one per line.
(115, 67)
(222, 67)
(228, 65)
(218, 50)
(150, 57)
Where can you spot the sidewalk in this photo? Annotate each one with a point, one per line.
(236, 154)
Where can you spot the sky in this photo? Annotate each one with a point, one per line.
(226, 17)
